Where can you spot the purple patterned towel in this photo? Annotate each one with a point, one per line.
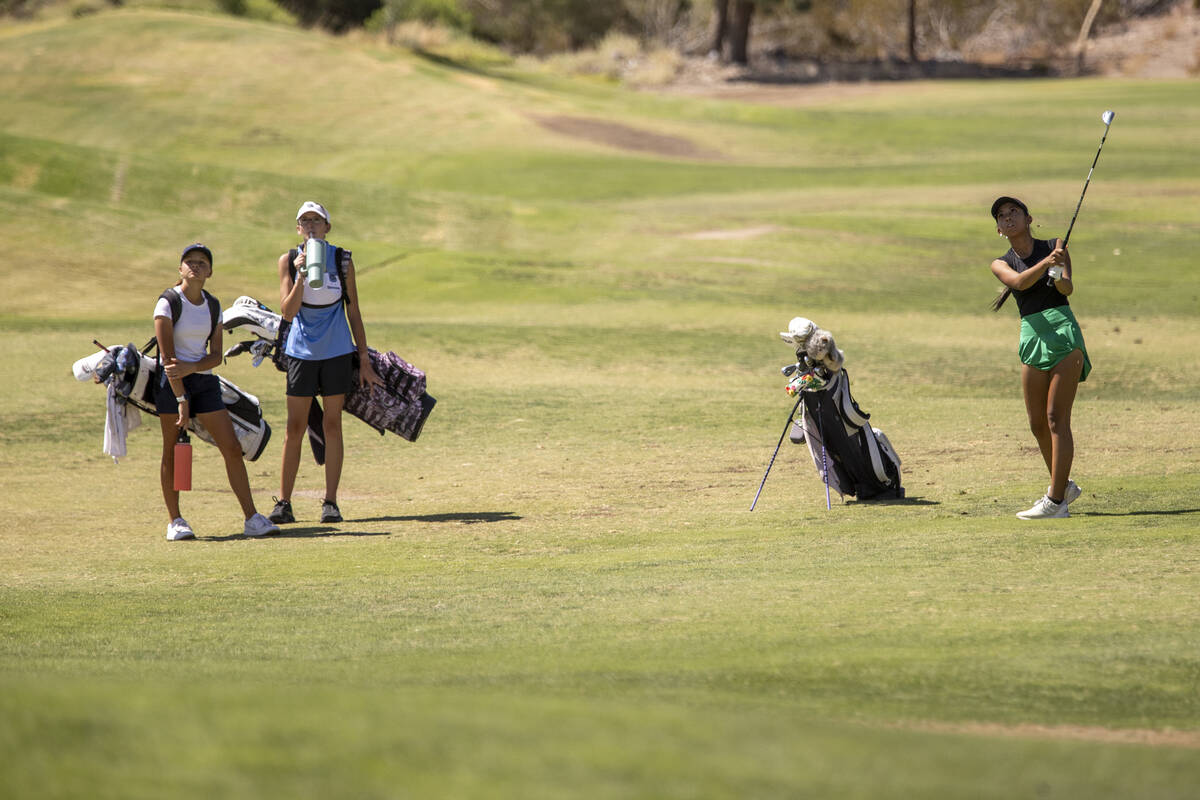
(400, 408)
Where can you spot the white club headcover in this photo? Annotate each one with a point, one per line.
(85, 367)
(799, 329)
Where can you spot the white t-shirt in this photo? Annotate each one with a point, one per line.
(191, 332)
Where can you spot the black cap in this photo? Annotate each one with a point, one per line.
(1002, 200)
(197, 246)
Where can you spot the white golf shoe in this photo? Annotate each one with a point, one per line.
(1072, 494)
(258, 525)
(1045, 509)
(178, 529)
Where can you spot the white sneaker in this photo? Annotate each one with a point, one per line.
(1045, 509)
(258, 525)
(1072, 494)
(178, 529)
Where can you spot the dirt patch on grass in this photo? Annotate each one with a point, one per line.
(735, 233)
(624, 137)
(1166, 738)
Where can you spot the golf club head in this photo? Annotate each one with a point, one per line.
(1107, 116)
(789, 370)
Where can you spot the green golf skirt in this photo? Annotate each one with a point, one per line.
(1049, 336)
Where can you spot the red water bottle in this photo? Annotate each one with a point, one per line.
(183, 462)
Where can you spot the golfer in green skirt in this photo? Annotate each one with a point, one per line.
(1054, 360)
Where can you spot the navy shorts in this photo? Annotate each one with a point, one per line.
(325, 377)
(203, 394)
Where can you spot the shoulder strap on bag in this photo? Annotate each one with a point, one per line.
(214, 313)
(175, 302)
(340, 257)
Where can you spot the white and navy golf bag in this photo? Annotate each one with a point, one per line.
(852, 457)
(132, 374)
(401, 407)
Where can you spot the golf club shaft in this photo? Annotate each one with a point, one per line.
(791, 417)
(1079, 205)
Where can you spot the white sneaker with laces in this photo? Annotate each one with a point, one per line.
(258, 525)
(1072, 494)
(178, 529)
(1045, 509)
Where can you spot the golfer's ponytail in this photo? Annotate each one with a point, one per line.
(1000, 298)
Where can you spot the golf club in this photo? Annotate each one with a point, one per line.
(1107, 117)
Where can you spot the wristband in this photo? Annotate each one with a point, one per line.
(181, 399)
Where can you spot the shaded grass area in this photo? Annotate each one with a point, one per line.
(777, 750)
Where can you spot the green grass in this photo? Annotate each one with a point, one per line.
(559, 590)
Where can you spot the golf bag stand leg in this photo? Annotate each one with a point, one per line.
(786, 428)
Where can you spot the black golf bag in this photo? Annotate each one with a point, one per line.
(852, 457)
(133, 375)
(401, 407)
(855, 458)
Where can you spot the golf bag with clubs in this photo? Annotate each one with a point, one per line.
(852, 457)
(133, 373)
(402, 407)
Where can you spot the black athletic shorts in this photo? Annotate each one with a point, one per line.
(325, 377)
(203, 394)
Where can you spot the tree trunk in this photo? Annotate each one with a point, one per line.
(912, 31)
(1084, 30)
(721, 11)
(739, 34)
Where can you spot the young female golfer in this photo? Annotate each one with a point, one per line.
(320, 350)
(1054, 360)
(189, 346)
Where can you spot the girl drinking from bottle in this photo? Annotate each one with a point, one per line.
(324, 337)
(187, 326)
(1054, 360)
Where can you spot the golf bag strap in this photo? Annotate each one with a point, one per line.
(340, 256)
(846, 406)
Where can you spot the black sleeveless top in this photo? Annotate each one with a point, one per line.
(1041, 295)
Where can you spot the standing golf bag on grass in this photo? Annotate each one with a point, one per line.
(859, 460)
(852, 457)
(402, 407)
(132, 374)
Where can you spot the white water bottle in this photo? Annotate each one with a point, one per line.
(314, 262)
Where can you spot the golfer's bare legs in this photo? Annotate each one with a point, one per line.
(1049, 397)
(166, 473)
(334, 448)
(293, 436)
(218, 424)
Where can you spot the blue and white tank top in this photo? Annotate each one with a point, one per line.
(320, 329)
